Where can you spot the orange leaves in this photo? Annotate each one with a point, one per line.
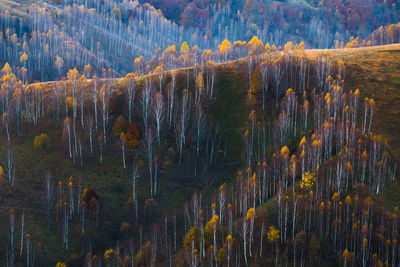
(239, 44)
(364, 156)
(137, 60)
(285, 152)
(17, 93)
(170, 50)
(159, 69)
(251, 214)
(316, 143)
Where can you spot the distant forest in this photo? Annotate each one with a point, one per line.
(110, 35)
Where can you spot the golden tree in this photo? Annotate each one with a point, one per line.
(273, 237)
(225, 49)
(41, 141)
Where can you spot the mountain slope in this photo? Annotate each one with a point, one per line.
(375, 71)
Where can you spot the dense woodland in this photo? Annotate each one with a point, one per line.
(127, 36)
(180, 141)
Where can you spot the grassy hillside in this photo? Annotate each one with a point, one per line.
(375, 71)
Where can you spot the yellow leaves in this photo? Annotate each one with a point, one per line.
(10, 78)
(390, 30)
(272, 234)
(6, 69)
(251, 214)
(130, 76)
(14, 38)
(255, 46)
(1, 171)
(348, 200)
(303, 141)
(116, 11)
(328, 98)
(225, 47)
(267, 48)
(61, 264)
(253, 180)
(159, 69)
(288, 46)
(109, 253)
(365, 242)
(307, 180)
(222, 187)
(346, 255)
(200, 82)
(122, 136)
(184, 49)
(212, 224)
(23, 58)
(73, 74)
(289, 92)
(193, 234)
(239, 44)
(246, 133)
(349, 167)
(70, 102)
(335, 196)
(372, 102)
(221, 254)
(41, 141)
